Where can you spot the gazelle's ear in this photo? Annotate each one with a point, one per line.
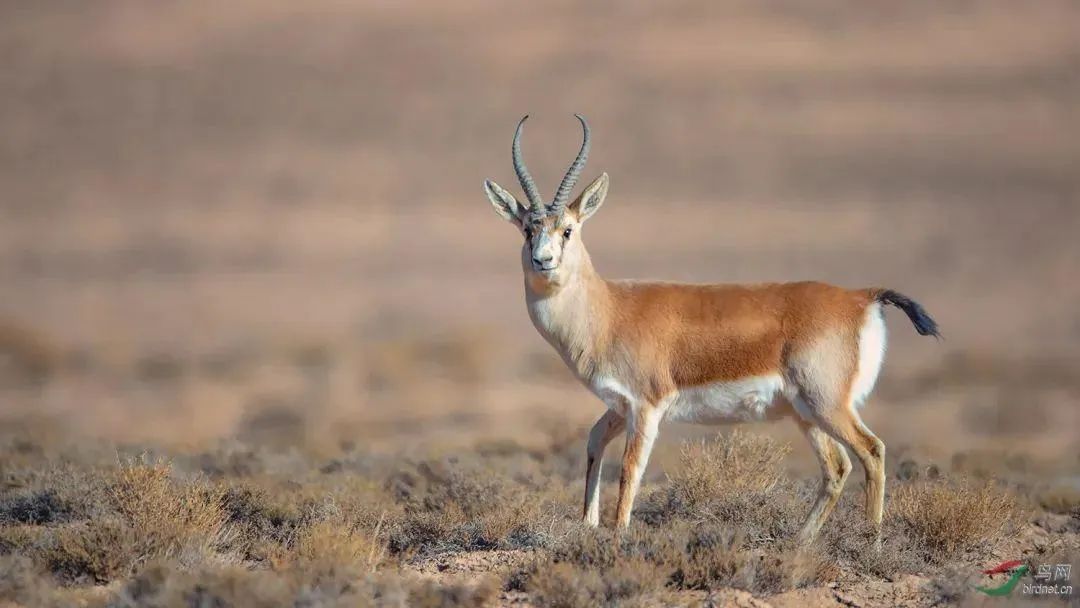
(504, 203)
(591, 198)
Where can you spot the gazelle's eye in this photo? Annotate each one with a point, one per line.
(528, 233)
(566, 233)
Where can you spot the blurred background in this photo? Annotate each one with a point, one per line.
(265, 221)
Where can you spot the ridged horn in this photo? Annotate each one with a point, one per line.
(562, 195)
(526, 180)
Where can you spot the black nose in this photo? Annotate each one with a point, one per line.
(541, 261)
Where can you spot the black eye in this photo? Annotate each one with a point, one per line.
(528, 233)
(566, 233)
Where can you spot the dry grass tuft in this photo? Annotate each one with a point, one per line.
(591, 566)
(948, 519)
(43, 507)
(449, 506)
(21, 582)
(736, 463)
(333, 547)
(568, 585)
(163, 585)
(97, 551)
(168, 518)
(429, 594)
(1060, 497)
(736, 479)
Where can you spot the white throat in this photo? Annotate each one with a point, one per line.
(570, 316)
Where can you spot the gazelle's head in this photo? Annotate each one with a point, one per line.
(553, 250)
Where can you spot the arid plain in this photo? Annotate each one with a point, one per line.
(263, 341)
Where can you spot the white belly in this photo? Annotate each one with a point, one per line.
(745, 400)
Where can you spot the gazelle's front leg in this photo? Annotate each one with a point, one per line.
(641, 429)
(605, 429)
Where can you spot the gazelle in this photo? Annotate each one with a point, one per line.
(701, 353)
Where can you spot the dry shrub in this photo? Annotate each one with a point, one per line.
(449, 506)
(167, 584)
(97, 551)
(264, 523)
(736, 479)
(52, 493)
(41, 507)
(333, 548)
(603, 548)
(169, 518)
(431, 594)
(569, 585)
(713, 556)
(164, 585)
(18, 538)
(24, 583)
(718, 473)
(590, 566)
(948, 519)
(21, 583)
(850, 539)
(1062, 497)
(954, 585)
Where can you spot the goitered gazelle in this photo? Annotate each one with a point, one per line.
(701, 353)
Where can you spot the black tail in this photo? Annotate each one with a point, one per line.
(925, 325)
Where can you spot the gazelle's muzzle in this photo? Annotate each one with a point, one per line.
(546, 253)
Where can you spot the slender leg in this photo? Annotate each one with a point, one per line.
(605, 429)
(835, 467)
(849, 429)
(641, 430)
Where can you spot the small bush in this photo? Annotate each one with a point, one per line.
(332, 548)
(948, 519)
(430, 594)
(20, 582)
(95, 552)
(569, 585)
(720, 472)
(166, 584)
(853, 542)
(447, 507)
(591, 565)
(1062, 497)
(37, 508)
(19, 538)
(736, 479)
(168, 518)
(264, 525)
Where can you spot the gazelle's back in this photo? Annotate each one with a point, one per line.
(712, 333)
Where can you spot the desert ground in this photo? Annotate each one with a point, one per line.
(263, 341)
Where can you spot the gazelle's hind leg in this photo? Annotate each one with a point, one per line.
(842, 423)
(835, 467)
(848, 428)
(826, 376)
(606, 428)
